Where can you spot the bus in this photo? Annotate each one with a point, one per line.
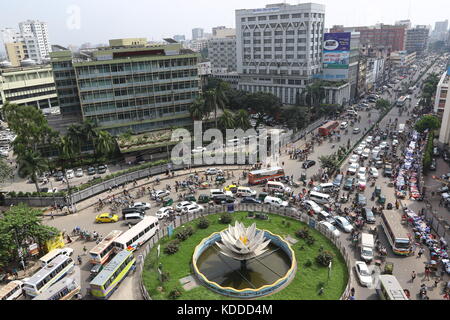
(49, 257)
(390, 288)
(103, 251)
(109, 279)
(49, 275)
(401, 102)
(264, 175)
(138, 235)
(397, 235)
(12, 291)
(65, 289)
(328, 128)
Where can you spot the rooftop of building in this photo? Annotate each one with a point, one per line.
(24, 69)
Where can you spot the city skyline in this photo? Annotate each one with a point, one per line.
(76, 22)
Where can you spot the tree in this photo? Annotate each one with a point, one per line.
(5, 171)
(382, 105)
(221, 98)
(226, 120)
(329, 162)
(76, 136)
(31, 165)
(20, 226)
(295, 117)
(427, 122)
(210, 102)
(104, 143)
(197, 109)
(241, 120)
(264, 103)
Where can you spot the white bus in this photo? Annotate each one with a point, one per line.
(12, 291)
(319, 197)
(65, 289)
(396, 233)
(138, 235)
(49, 257)
(47, 276)
(103, 251)
(390, 289)
(401, 102)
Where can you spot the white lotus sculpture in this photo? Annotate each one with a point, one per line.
(242, 243)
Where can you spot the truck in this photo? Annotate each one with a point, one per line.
(328, 128)
(367, 246)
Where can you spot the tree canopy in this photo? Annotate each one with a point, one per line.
(428, 122)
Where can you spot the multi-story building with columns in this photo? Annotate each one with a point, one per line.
(279, 48)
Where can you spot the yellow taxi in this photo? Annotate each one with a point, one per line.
(233, 188)
(106, 218)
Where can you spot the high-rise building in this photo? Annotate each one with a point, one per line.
(222, 54)
(179, 37)
(137, 88)
(16, 52)
(223, 32)
(279, 48)
(197, 33)
(417, 39)
(38, 30)
(405, 23)
(440, 32)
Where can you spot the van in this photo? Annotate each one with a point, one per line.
(276, 202)
(325, 188)
(276, 186)
(367, 246)
(49, 257)
(245, 192)
(220, 192)
(319, 197)
(344, 125)
(338, 180)
(133, 218)
(132, 210)
(352, 112)
(401, 128)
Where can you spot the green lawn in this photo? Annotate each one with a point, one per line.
(305, 285)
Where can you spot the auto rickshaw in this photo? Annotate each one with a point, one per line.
(382, 200)
(377, 191)
(203, 198)
(262, 196)
(190, 197)
(388, 268)
(205, 185)
(220, 179)
(343, 198)
(167, 202)
(232, 187)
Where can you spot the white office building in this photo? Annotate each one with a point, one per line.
(38, 30)
(222, 53)
(279, 48)
(197, 33)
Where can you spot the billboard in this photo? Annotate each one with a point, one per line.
(336, 50)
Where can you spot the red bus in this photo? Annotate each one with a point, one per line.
(326, 129)
(264, 175)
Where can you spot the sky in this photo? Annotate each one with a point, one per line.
(96, 21)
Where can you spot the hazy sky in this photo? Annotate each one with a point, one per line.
(101, 20)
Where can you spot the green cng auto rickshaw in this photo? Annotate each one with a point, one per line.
(203, 198)
(262, 196)
(377, 191)
(190, 197)
(382, 200)
(167, 202)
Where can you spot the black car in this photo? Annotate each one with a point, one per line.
(433, 165)
(348, 185)
(223, 199)
(368, 215)
(308, 164)
(101, 169)
(250, 200)
(59, 176)
(361, 199)
(91, 171)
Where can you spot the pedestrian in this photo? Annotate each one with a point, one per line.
(80, 260)
(352, 291)
(129, 226)
(436, 282)
(421, 251)
(413, 276)
(84, 250)
(427, 273)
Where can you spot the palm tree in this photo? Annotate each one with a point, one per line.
(76, 136)
(210, 102)
(104, 143)
(31, 165)
(198, 109)
(226, 120)
(241, 120)
(89, 130)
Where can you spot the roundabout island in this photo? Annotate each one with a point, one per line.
(245, 255)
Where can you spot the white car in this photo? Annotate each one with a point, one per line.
(331, 228)
(353, 168)
(193, 208)
(79, 173)
(142, 205)
(213, 171)
(358, 151)
(374, 172)
(354, 159)
(363, 273)
(363, 144)
(183, 205)
(383, 145)
(311, 205)
(376, 149)
(369, 139)
(344, 224)
(164, 212)
(366, 153)
(394, 142)
(362, 171)
(362, 182)
(70, 174)
(160, 194)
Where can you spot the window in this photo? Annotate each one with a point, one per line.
(278, 48)
(267, 40)
(273, 17)
(262, 18)
(251, 19)
(284, 16)
(267, 33)
(297, 15)
(256, 34)
(278, 33)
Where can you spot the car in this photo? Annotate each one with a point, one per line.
(193, 208)
(354, 167)
(232, 187)
(435, 152)
(344, 224)
(182, 205)
(374, 172)
(141, 205)
(362, 183)
(160, 194)
(79, 173)
(348, 185)
(369, 139)
(354, 159)
(356, 130)
(376, 150)
(363, 273)
(368, 215)
(394, 142)
(91, 171)
(358, 151)
(331, 228)
(387, 171)
(70, 174)
(106, 218)
(213, 171)
(311, 205)
(164, 212)
(344, 125)
(223, 199)
(59, 176)
(308, 164)
(363, 105)
(433, 164)
(251, 200)
(361, 199)
(101, 169)
(383, 145)
(362, 171)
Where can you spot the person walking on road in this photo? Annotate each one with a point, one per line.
(413, 276)
(80, 260)
(84, 250)
(420, 253)
(427, 273)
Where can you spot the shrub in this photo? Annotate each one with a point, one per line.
(20, 194)
(251, 215)
(308, 263)
(226, 218)
(175, 294)
(165, 276)
(324, 258)
(310, 240)
(302, 233)
(172, 247)
(203, 223)
(185, 233)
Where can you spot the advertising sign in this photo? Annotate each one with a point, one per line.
(336, 50)
(33, 249)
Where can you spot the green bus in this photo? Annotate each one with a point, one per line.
(109, 279)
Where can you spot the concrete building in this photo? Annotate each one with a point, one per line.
(402, 59)
(441, 94)
(179, 38)
(197, 45)
(279, 48)
(223, 32)
(139, 88)
(29, 86)
(231, 77)
(197, 33)
(440, 32)
(417, 39)
(36, 34)
(16, 52)
(405, 23)
(222, 53)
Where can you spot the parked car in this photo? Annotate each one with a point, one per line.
(344, 224)
(361, 199)
(363, 273)
(91, 171)
(182, 205)
(101, 169)
(213, 171)
(368, 215)
(374, 172)
(251, 200)
(354, 167)
(433, 164)
(353, 159)
(79, 173)
(308, 164)
(106, 218)
(223, 199)
(348, 185)
(331, 228)
(193, 208)
(70, 174)
(387, 171)
(59, 176)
